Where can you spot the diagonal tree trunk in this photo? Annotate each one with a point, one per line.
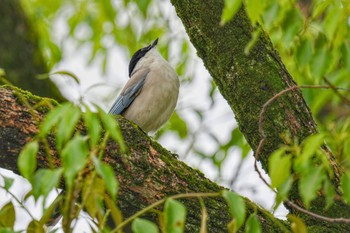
(248, 81)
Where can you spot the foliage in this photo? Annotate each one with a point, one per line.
(144, 226)
(312, 37)
(100, 25)
(237, 208)
(79, 153)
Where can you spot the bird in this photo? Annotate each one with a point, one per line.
(150, 96)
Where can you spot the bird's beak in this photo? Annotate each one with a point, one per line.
(154, 44)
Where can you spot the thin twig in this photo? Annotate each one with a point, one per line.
(18, 201)
(333, 220)
(341, 96)
(263, 138)
(237, 171)
(256, 164)
(204, 216)
(148, 208)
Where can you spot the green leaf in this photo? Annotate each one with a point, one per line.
(7, 215)
(230, 9)
(319, 103)
(175, 216)
(279, 167)
(293, 23)
(345, 186)
(143, 6)
(66, 126)
(104, 63)
(35, 227)
(2, 72)
(143, 226)
(44, 181)
(332, 21)
(52, 212)
(297, 224)
(52, 118)
(237, 207)
(116, 214)
(67, 73)
(8, 181)
(346, 149)
(7, 230)
(310, 182)
(311, 144)
(232, 226)
(74, 157)
(255, 36)
(107, 173)
(304, 52)
(93, 126)
(55, 54)
(27, 159)
(178, 125)
(329, 193)
(108, 9)
(319, 62)
(111, 125)
(282, 192)
(346, 54)
(238, 139)
(255, 8)
(252, 225)
(271, 13)
(320, 7)
(94, 192)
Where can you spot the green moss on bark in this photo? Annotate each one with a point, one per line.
(248, 81)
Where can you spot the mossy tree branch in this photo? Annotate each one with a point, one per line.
(146, 174)
(248, 81)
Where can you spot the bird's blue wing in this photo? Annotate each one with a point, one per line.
(129, 93)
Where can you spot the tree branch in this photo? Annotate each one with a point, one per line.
(147, 174)
(248, 81)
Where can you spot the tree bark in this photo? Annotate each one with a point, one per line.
(146, 174)
(20, 55)
(247, 82)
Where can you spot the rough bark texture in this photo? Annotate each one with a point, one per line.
(20, 56)
(146, 174)
(249, 81)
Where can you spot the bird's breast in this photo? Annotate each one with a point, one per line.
(157, 99)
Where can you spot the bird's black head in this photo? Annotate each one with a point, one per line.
(139, 54)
